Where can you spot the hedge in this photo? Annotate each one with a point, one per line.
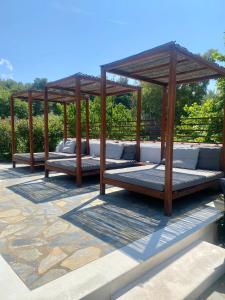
(22, 135)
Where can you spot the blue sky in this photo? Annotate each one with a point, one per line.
(57, 38)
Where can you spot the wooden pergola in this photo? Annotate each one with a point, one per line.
(83, 86)
(30, 96)
(167, 65)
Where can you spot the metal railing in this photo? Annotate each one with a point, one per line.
(193, 130)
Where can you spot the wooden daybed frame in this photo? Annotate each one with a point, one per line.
(81, 84)
(167, 66)
(38, 95)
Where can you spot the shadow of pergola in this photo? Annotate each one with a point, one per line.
(55, 188)
(19, 172)
(122, 218)
(116, 221)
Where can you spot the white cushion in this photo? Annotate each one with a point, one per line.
(114, 150)
(151, 153)
(94, 148)
(69, 147)
(60, 146)
(186, 158)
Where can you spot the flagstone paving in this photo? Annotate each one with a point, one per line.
(49, 227)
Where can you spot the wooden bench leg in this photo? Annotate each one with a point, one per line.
(102, 188)
(79, 181)
(168, 199)
(46, 173)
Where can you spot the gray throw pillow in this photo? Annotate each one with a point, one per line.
(83, 147)
(209, 158)
(129, 152)
(186, 158)
(114, 150)
(60, 146)
(94, 148)
(69, 147)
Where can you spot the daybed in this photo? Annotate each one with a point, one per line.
(36, 159)
(192, 167)
(168, 66)
(39, 157)
(80, 85)
(65, 149)
(118, 155)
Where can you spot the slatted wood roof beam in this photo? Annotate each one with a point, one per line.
(197, 79)
(92, 87)
(200, 60)
(41, 99)
(180, 73)
(153, 68)
(141, 65)
(138, 77)
(139, 57)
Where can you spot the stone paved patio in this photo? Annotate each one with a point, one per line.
(48, 227)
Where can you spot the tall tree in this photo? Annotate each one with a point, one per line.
(39, 84)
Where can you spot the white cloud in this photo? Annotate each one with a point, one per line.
(117, 22)
(7, 63)
(70, 8)
(6, 76)
(6, 69)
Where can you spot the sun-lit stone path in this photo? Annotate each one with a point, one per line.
(37, 243)
(49, 227)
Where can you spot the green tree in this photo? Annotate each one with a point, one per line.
(39, 84)
(187, 94)
(151, 101)
(202, 122)
(7, 87)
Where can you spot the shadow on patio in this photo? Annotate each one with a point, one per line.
(116, 221)
(121, 218)
(55, 188)
(19, 172)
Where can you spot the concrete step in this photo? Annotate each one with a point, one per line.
(216, 291)
(186, 275)
(215, 296)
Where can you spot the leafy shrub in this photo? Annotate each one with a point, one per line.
(204, 123)
(22, 135)
(5, 139)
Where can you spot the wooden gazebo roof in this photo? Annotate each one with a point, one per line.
(38, 95)
(91, 85)
(153, 66)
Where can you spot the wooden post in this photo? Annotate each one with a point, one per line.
(65, 122)
(138, 128)
(87, 129)
(223, 150)
(78, 133)
(13, 140)
(168, 194)
(163, 121)
(30, 120)
(46, 128)
(103, 130)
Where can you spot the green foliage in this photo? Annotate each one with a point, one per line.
(6, 88)
(187, 94)
(127, 99)
(22, 135)
(151, 101)
(39, 84)
(5, 139)
(115, 115)
(202, 122)
(120, 123)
